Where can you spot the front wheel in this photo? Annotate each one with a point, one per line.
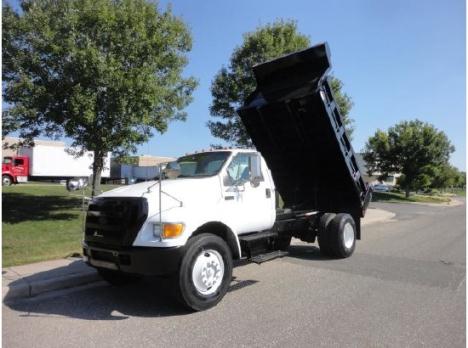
(6, 180)
(205, 272)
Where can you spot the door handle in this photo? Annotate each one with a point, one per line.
(228, 198)
(268, 193)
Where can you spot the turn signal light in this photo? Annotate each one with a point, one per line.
(172, 230)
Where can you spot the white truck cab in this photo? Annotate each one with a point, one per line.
(216, 186)
(214, 207)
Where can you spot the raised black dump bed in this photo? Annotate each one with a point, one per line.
(294, 122)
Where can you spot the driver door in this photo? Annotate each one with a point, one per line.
(248, 201)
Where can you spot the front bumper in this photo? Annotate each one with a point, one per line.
(135, 260)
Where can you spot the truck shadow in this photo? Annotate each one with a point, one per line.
(306, 252)
(18, 207)
(151, 297)
(103, 302)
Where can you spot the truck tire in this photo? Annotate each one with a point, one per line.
(205, 272)
(117, 278)
(6, 180)
(323, 236)
(342, 236)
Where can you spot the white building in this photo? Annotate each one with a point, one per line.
(372, 179)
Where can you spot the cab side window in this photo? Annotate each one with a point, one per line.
(239, 170)
(19, 162)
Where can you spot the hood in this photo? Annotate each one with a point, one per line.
(184, 189)
(135, 190)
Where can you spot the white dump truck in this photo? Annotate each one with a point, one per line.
(218, 206)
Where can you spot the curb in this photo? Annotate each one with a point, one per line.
(24, 288)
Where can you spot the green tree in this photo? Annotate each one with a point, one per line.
(414, 148)
(232, 85)
(461, 180)
(446, 176)
(105, 73)
(130, 160)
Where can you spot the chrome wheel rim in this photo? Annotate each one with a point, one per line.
(348, 235)
(208, 272)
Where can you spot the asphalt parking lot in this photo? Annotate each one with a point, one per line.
(404, 286)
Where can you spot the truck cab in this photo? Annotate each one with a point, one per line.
(14, 169)
(213, 187)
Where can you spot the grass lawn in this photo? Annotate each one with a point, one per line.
(459, 192)
(394, 197)
(41, 222)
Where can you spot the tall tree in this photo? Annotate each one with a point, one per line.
(414, 148)
(232, 85)
(104, 73)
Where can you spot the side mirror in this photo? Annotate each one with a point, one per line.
(228, 181)
(255, 171)
(255, 181)
(172, 170)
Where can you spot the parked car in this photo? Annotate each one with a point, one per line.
(381, 188)
(76, 184)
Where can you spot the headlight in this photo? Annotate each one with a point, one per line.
(168, 230)
(157, 230)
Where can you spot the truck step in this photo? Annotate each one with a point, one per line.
(268, 256)
(258, 236)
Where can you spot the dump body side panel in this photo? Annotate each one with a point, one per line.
(293, 120)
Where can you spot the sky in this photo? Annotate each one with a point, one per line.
(398, 60)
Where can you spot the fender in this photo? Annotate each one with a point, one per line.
(225, 232)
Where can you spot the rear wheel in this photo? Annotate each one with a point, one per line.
(205, 272)
(6, 180)
(341, 234)
(116, 277)
(323, 235)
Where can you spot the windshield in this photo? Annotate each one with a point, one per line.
(202, 164)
